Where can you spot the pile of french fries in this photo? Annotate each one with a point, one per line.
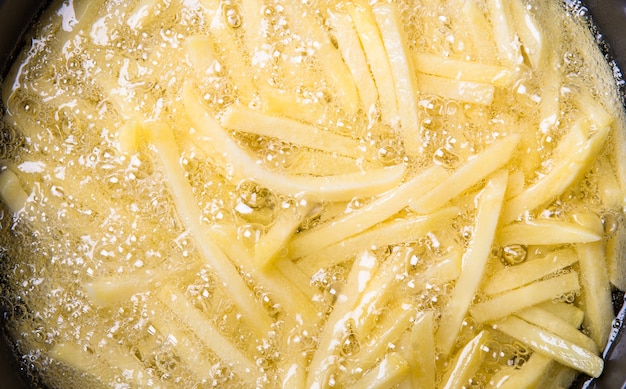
(347, 194)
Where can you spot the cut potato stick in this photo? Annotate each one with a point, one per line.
(391, 371)
(332, 188)
(304, 23)
(562, 377)
(363, 270)
(512, 277)
(287, 291)
(354, 57)
(529, 33)
(573, 162)
(162, 138)
(481, 32)
(527, 376)
(392, 327)
(11, 192)
(359, 220)
(461, 70)
(569, 313)
(282, 230)
(188, 349)
(524, 297)
(597, 300)
(615, 252)
(225, 41)
(475, 169)
(552, 346)
(503, 31)
(466, 363)
(401, 63)
(201, 55)
(545, 232)
(553, 323)
(241, 364)
(279, 102)
(464, 91)
(385, 233)
(372, 44)
(420, 351)
(299, 279)
(474, 261)
(240, 118)
(608, 186)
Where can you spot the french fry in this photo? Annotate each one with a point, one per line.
(503, 32)
(401, 63)
(474, 261)
(466, 362)
(526, 296)
(240, 118)
(569, 313)
(388, 232)
(360, 276)
(481, 31)
(372, 43)
(513, 277)
(392, 370)
(558, 326)
(456, 69)
(474, 170)
(354, 57)
(552, 346)
(529, 33)
(241, 363)
(545, 232)
(597, 300)
(420, 352)
(464, 91)
(573, 162)
(359, 220)
(531, 372)
(11, 191)
(334, 188)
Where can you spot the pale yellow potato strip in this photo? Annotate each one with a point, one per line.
(209, 335)
(240, 118)
(524, 297)
(512, 277)
(354, 57)
(503, 31)
(391, 371)
(228, 50)
(552, 346)
(304, 23)
(471, 172)
(608, 186)
(391, 328)
(288, 292)
(545, 232)
(299, 279)
(341, 187)
(11, 191)
(401, 63)
(201, 55)
(569, 313)
(385, 233)
(527, 376)
(290, 104)
(529, 32)
(553, 323)
(188, 349)
(420, 351)
(562, 377)
(474, 261)
(615, 252)
(162, 138)
(597, 300)
(282, 229)
(462, 70)
(359, 220)
(573, 162)
(480, 31)
(372, 43)
(464, 91)
(466, 363)
(329, 341)
(74, 356)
